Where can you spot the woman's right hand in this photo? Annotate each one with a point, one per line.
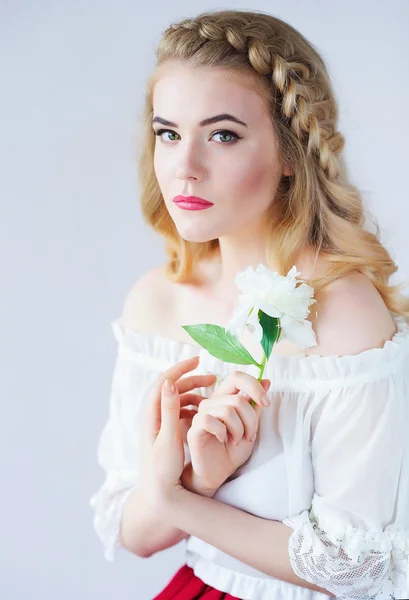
(223, 432)
(151, 421)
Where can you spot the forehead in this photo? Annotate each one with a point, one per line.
(191, 90)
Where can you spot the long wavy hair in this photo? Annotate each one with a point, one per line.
(316, 206)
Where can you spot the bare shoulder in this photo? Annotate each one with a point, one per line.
(148, 304)
(352, 317)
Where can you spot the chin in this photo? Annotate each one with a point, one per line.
(196, 237)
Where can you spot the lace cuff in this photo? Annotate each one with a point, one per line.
(348, 561)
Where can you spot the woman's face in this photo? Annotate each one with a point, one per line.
(233, 165)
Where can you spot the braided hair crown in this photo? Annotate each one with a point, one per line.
(315, 204)
(284, 63)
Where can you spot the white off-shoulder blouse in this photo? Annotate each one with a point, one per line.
(331, 462)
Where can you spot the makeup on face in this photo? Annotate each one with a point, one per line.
(236, 170)
(191, 202)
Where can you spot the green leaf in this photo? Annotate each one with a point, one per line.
(220, 343)
(271, 332)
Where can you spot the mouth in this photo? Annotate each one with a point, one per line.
(191, 200)
(191, 203)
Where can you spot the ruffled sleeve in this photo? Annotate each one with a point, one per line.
(139, 361)
(354, 540)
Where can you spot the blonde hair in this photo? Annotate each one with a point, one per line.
(316, 206)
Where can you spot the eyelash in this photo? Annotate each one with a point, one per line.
(235, 136)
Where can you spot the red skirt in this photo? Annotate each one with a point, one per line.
(184, 585)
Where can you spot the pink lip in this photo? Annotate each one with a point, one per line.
(191, 202)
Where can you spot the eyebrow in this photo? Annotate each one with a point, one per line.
(209, 121)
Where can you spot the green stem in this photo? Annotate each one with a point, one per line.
(260, 375)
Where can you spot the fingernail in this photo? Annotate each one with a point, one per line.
(265, 401)
(253, 437)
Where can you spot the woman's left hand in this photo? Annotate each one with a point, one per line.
(221, 439)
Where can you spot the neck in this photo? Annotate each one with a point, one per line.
(235, 255)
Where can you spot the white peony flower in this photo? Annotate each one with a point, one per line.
(277, 296)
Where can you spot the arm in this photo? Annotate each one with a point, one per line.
(120, 514)
(142, 531)
(353, 542)
(260, 543)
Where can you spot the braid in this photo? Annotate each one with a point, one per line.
(302, 106)
(316, 205)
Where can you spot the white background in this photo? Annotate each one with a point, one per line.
(72, 242)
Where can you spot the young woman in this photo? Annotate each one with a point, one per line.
(305, 496)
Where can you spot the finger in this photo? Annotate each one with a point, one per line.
(228, 415)
(205, 424)
(186, 384)
(187, 413)
(248, 414)
(153, 407)
(170, 410)
(186, 418)
(265, 383)
(195, 399)
(186, 400)
(238, 381)
(185, 425)
(178, 370)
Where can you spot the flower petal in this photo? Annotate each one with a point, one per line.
(284, 297)
(298, 332)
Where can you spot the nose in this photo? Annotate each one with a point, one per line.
(190, 165)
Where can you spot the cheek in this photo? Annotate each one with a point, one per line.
(254, 178)
(157, 165)
(161, 161)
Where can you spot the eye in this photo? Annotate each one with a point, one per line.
(226, 132)
(160, 131)
(223, 132)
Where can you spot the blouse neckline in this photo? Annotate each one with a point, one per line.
(295, 371)
(401, 333)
